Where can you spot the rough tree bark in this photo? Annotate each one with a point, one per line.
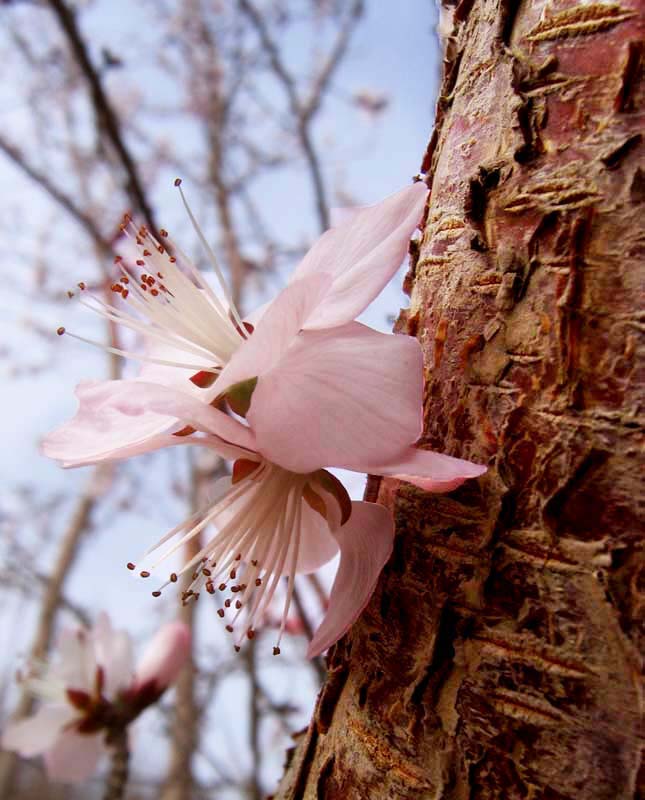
(499, 657)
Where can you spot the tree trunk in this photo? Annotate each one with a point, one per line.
(499, 656)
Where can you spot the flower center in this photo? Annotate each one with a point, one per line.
(258, 515)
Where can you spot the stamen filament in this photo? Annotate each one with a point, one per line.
(211, 254)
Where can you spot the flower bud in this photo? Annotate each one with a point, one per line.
(164, 657)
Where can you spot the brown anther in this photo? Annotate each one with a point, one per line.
(156, 593)
(160, 276)
(254, 562)
(173, 577)
(250, 633)
(140, 262)
(150, 280)
(70, 294)
(144, 573)
(206, 572)
(238, 604)
(154, 292)
(220, 612)
(195, 576)
(221, 587)
(229, 628)
(276, 651)
(236, 647)
(139, 241)
(125, 293)
(147, 253)
(125, 279)
(130, 565)
(144, 286)
(163, 232)
(60, 331)
(235, 589)
(210, 588)
(238, 557)
(258, 581)
(227, 602)
(118, 259)
(172, 259)
(177, 181)
(160, 249)
(81, 285)
(233, 574)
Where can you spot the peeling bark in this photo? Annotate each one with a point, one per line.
(499, 657)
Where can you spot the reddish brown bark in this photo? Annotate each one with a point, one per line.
(499, 657)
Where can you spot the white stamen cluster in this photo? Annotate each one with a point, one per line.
(171, 306)
(258, 540)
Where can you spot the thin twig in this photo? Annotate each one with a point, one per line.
(119, 765)
(301, 119)
(254, 720)
(86, 222)
(106, 117)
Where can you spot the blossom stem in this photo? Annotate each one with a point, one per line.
(119, 764)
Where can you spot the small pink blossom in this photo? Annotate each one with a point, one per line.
(91, 688)
(197, 341)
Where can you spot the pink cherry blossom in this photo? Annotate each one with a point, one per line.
(92, 685)
(194, 335)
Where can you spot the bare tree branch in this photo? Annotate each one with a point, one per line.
(80, 217)
(255, 787)
(106, 116)
(304, 112)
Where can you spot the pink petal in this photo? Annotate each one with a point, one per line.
(341, 215)
(317, 544)
(144, 399)
(339, 397)
(99, 431)
(164, 657)
(34, 735)
(74, 756)
(114, 654)
(362, 254)
(434, 472)
(275, 331)
(365, 542)
(75, 662)
(256, 315)
(121, 419)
